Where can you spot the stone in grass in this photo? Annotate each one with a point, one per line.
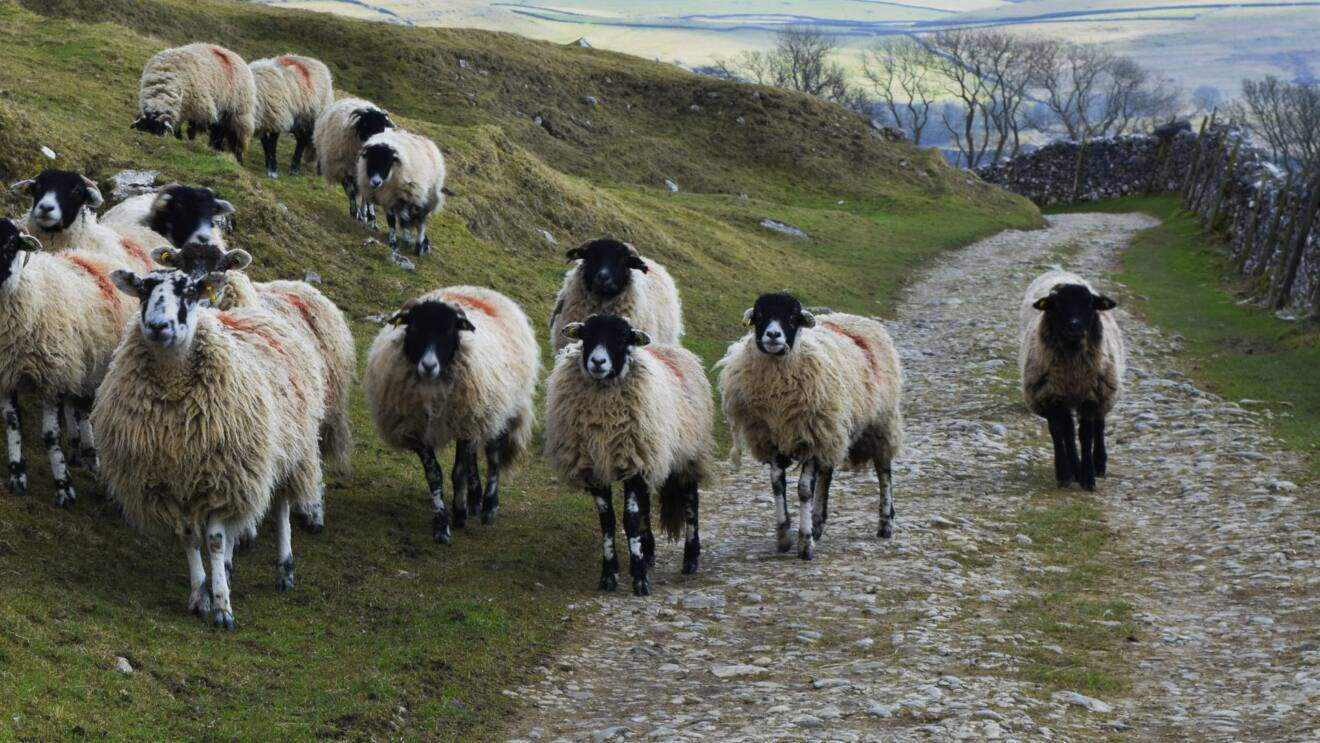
(771, 224)
(402, 262)
(939, 522)
(832, 683)
(673, 187)
(1083, 701)
(880, 710)
(735, 670)
(122, 665)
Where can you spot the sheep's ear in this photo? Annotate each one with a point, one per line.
(639, 338)
(635, 261)
(94, 198)
(806, 319)
(127, 282)
(29, 243)
(165, 256)
(211, 286)
(748, 315)
(1103, 303)
(236, 260)
(161, 202)
(223, 207)
(465, 324)
(23, 187)
(398, 318)
(388, 121)
(575, 254)
(572, 331)
(1044, 303)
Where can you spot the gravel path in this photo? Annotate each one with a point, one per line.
(905, 639)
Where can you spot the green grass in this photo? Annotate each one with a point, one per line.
(1181, 281)
(382, 619)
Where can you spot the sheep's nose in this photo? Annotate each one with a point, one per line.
(773, 335)
(376, 181)
(604, 276)
(45, 208)
(429, 368)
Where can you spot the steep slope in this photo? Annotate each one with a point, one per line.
(387, 633)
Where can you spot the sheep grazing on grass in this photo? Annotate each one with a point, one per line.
(618, 408)
(611, 278)
(341, 130)
(404, 174)
(60, 320)
(202, 86)
(1072, 360)
(205, 418)
(456, 365)
(292, 91)
(179, 214)
(825, 393)
(63, 217)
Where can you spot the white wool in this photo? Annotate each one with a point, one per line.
(416, 181)
(651, 303)
(336, 141)
(292, 91)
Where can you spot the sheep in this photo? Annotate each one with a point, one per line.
(404, 174)
(204, 86)
(1072, 358)
(63, 217)
(292, 91)
(456, 364)
(176, 213)
(824, 393)
(341, 130)
(60, 320)
(206, 419)
(613, 279)
(618, 408)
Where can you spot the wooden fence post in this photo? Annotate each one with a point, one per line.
(1294, 257)
(1225, 185)
(1081, 169)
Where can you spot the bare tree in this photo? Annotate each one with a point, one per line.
(1092, 92)
(802, 60)
(1287, 116)
(899, 72)
(1206, 98)
(956, 63)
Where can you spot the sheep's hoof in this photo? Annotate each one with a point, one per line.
(273, 175)
(641, 587)
(608, 582)
(886, 530)
(691, 555)
(65, 495)
(785, 538)
(805, 549)
(199, 601)
(1087, 483)
(18, 485)
(460, 520)
(440, 529)
(222, 619)
(284, 575)
(90, 461)
(295, 170)
(488, 515)
(817, 530)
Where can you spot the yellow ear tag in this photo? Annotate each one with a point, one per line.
(215, 301)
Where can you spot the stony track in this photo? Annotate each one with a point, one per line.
(907, 639)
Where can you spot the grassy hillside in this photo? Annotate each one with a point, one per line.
(387, 633)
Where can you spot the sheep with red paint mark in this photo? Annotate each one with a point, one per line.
(823, 392)
(207, 419)
(202, 87)
(341, 130)
(612, 278)
(621, 409)
(456, 365)
(63, 217)
(292, 91)
(174, 213)
(60, 320)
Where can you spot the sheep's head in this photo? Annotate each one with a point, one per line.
(154, 122)
(775, 320)
(187, 214)
(58, 197)
(15, 245)
(431, 338)
(378, 162)
(607, 343)
(368, 122)
(1072, 315)
(607, 266)
(169, 303)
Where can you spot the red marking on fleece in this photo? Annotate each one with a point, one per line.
(673, 366)
(240, 326)
(304, 74)
(309, 318)
(137, 253)
(108, 291)
(480, 305)
(225, 61)
(860, 342)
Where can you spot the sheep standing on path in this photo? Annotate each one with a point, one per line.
(341, 130)
(404, 174)
(611, 278)
(205, 417)
(618, 408)
(292, 91)
(456, 365)
(825, 393)
(204, 86)
(1072, 359)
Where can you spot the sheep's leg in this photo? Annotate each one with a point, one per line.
(423, 243)
(1101, 457)
(648, 537)
(490, 504)
(215, 136)
(14, 442)
(192, 130)
(350, 190)
(222, 613)
(820, 511)
(392, 219)
(232, 538)
(301, 138)
(73, 433)
(270, 144)
(779, 465)
(50, 435)
(1061, 431)
(313, 513)
(692, 539)
(634, 490)
(459, 478)
(199, 597)
(885, 476)
(1086, 472)
(88, 440)
(435, 482)
(806, 498)
(474, 501)
(609, 561)
(284, 531)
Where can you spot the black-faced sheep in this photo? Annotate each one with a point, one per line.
(1072, 360)
(456, 365)
(613, 279)
(204, 86)
(63, 217)
(180, 214)
(404, 174)
(824, 393)
(618, 408)
(341, 130)
(292, 91)
(60, 320)
(204, 419)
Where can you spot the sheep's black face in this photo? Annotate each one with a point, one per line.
(431, 335)
(775, 320)
(168, 303)
(380, 159)
(14, 243)
(607, 342)
(58, 197)
(368, 122)
(607, 266)
(1072, 315)
(154, 123)
(186, 214)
